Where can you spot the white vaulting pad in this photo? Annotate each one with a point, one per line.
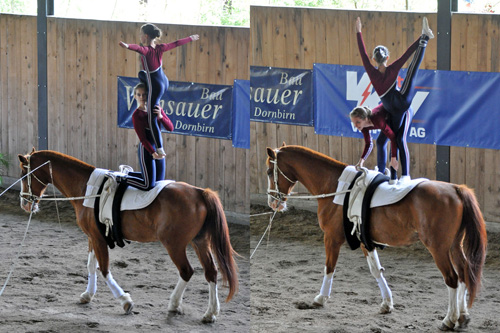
(385, 194)
(138, 199)
(133, 197)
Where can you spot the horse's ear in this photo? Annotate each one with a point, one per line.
(284, 144)
(32, 151)
(271, 153)
(22, 159)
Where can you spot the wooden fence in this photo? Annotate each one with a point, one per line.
(299, 37)
(84, 60)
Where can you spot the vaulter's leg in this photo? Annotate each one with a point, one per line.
(88, 295)
(102, 255)
(202, 249)
(376, 269)
(332, 249)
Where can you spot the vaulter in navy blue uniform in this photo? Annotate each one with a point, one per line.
(396, 101)
(152, 74)
(152, 170)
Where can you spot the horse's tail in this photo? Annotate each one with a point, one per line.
(216, 225)
(473, 232)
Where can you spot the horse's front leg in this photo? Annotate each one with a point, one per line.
(376, 269)
(332, 249)
(102, 255)
(88, 295)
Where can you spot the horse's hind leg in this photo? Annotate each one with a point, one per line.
(207, 261)
(88, 295)
(179, 258)
(376, 269)
(443, 262)
(459, 262)
(464, 319)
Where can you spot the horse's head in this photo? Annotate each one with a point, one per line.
(35, 179)
(279, 184)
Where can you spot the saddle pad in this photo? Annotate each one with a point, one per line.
(137, 199)
(384, 195)
(93, 184)
(133, 198)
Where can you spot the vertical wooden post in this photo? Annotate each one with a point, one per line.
(45, 7)
(443, 63)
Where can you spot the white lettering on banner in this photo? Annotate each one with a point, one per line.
(192, 110)
(418, 132)
(216, 96)
(278, 114)
(200, 128)
(275, 96)
(294, 80)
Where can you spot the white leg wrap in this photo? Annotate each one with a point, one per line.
(374, 263)
(462, 298)
(92, 284)
(92, 279)
(213, 303)
(326, 287)
(116, 290)
(453, 311)
(176, 297)
(384, 288)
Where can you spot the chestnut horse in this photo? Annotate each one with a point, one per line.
(181, 214)
(444, 217)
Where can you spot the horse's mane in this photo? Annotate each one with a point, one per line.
(70, 160)
(316, 155)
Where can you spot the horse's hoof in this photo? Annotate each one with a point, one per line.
(320, 300)
(208, 318)
(86, 297)
(463, 321)
(127, 303)
(445, 328)
(175, 309)
(385, 308)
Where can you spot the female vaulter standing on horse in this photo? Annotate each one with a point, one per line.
(152, 170)
(152, 75)
(395, 101)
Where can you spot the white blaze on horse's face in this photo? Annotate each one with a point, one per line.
(25, 202)
(272, 201)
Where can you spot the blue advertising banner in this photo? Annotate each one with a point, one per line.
(241, 114)
(194, 108)
(450, 108)
(281, 95)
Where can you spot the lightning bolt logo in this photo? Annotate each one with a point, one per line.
(366, 93)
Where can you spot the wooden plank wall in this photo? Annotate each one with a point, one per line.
(84, 60)
(299, 37)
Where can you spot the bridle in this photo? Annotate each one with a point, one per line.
(31, 197)
(276, 194)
